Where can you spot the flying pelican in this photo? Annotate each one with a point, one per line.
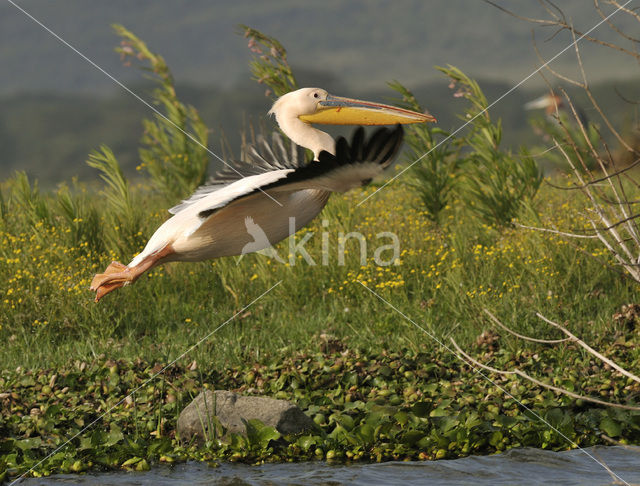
(554, 106)
(551, 103)
(272, 184)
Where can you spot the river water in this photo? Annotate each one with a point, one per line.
(514, 467)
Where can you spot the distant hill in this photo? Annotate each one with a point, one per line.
(361, 42)
(50, 135)
(55, 107)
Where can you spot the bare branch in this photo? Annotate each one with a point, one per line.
(624, 9)
(613, 26)
(524, 375)
(556, 232)
(548, 67)
(521, 336)
(595, 181)
(521, 17)
(589, 348)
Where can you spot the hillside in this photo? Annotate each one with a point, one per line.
(50, 135)
(364, 43)
(56, 108)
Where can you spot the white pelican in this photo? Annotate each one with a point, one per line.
(551, 103)
(272, 184)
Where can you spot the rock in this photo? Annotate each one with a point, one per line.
(230, 410)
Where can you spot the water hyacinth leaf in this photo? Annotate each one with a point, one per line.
(496, 438)
(506, 421)
(401, 417)
(350, 379)
(27, 444)
(52, 411)
(440, 411)
(445, 424)
(366, 433)
(346, 421)
(86, 443)
(421, 409)
(27, 381)
(412, 436)
(268, 434)
(472, 420)
(98, 437)
(114, 436)
(259, 434)
(385, 371)
(610, 427)
(132, 461)
(425, 443)
(306, 441)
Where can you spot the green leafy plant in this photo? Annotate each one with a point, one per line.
(29, 201)
(4, 209)
(81, 218)
(174, 144)
(259, 435)
(123, 217)
(497, 183)
(436, 174)
(561, 127)
(269, 65)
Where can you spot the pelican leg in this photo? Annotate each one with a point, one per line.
(117, 275)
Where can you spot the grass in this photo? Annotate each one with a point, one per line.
(303, 341)
(444, 278)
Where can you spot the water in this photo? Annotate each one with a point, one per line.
(517, 466)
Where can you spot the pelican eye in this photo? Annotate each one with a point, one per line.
(316, 95)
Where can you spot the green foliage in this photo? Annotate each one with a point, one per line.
(4, 210)
(469, 168)
(568, 133)
(174, 145)
(497, 183)
(436, 174)
(269, 65)
(29, 201)
(406, 405)
(82, 219)
(259, 435)
(122, 215)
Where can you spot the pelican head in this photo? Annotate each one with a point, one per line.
(296, 110)
(315, 105)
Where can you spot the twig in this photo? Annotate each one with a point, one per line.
(540, 383)
(556, 232)
(589, 348)
(521, 336)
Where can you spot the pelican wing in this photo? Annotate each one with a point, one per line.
(256, 159)
(353, 165)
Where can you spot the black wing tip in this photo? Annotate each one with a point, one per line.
(362, 150)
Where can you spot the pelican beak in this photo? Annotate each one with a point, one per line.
(336, 110)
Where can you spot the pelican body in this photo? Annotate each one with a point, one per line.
(247, 206)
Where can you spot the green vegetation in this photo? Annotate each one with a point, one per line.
(378, 386)
(367, 405)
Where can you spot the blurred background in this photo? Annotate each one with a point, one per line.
(55, 107)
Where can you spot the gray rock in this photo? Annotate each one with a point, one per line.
(230, 409)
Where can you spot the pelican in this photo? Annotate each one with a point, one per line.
(554, 106)
(272, 184)
(551, 103)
